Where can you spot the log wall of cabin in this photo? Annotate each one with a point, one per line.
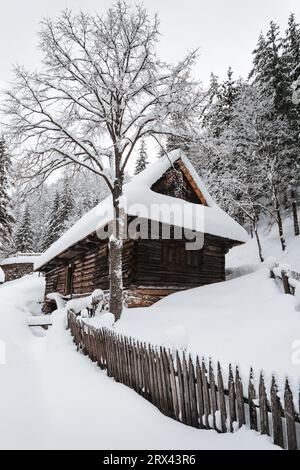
(151, 270)
(90, 271)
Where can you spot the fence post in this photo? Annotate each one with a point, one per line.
(263, 407)
(276, 415)
(251, 398)
(290, 417)
(285, 281)
(239, 399)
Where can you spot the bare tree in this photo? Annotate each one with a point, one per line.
(100, 89)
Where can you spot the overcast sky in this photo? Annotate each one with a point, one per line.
(226, 31)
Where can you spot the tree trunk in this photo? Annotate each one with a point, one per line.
(115, 258)
(295, 213)
(279, 218)
(258, 241)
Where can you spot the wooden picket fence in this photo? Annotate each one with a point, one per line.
(289, 279)
(190, 391)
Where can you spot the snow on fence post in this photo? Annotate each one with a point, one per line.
(185, 390)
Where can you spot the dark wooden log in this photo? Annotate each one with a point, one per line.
(289, 411)
(276, 415)
(199, 391)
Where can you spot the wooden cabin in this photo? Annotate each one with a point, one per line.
(18, 265)
(77, 263)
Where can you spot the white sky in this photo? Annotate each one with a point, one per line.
(226, 31)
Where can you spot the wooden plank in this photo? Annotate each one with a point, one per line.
(285, 282)
(222, 402)
(239, 399)
(163, 382)
(289, 411)
(199, 390)
(180, 390)
(192, 393)
(173, 380)
(251, 403)
(167, 380)
(186, 392)
(213, 394)
(159, 381)
(232, 400)
(276, 415)
(263, 407)
(206, 400)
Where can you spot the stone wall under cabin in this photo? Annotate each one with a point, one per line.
(16, 270)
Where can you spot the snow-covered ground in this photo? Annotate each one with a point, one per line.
(53, 397)
(247, 255)
(247, 320)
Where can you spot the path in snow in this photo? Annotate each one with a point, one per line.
(53, 397)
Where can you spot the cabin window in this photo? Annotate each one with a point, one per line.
(173, 253)
(192, 257)
(69, 279)
(54, 283)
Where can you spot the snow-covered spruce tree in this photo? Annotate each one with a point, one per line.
(6, 217)
(270, 77)
(66, 206)
(142, 159)
(291, 58)
(54, 226)
(100, 78)
(24, 237)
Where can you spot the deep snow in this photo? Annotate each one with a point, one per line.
(53, 397)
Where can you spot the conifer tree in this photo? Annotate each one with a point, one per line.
(6, 217)
(24, 237)
(142, 160)
(66, 205)
(54, 226)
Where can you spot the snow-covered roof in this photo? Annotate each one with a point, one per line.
(139, 200)
(2, 276)
(20, 258)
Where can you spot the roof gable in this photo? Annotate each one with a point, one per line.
(177, 182)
